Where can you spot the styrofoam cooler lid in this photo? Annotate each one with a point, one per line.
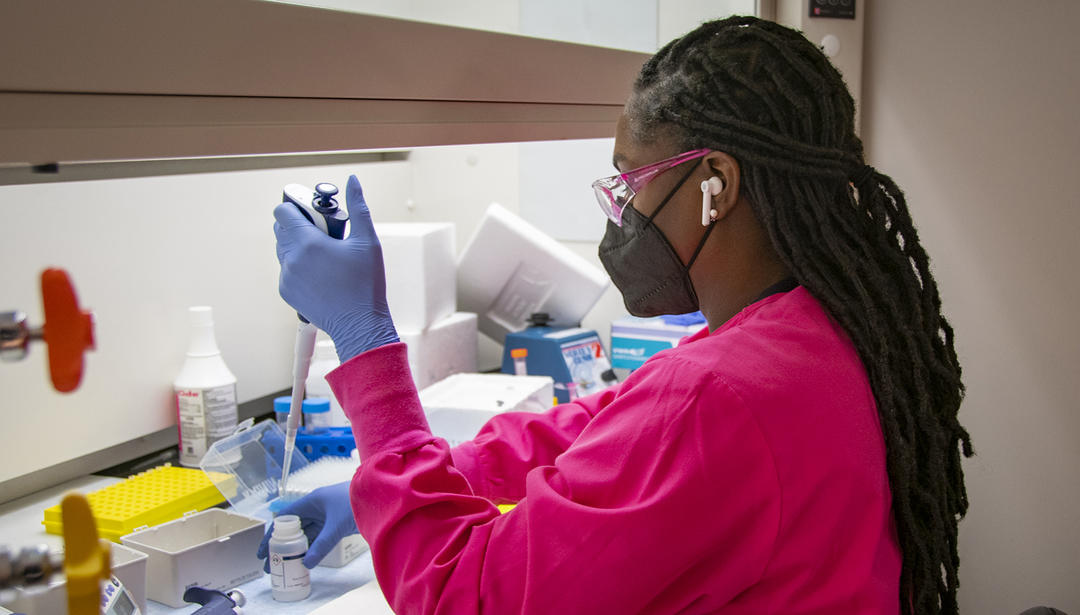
(246, 466)
(484, 392)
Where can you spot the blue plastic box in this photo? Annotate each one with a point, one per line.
(634, 340)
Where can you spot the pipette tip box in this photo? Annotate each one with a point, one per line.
(147, 498)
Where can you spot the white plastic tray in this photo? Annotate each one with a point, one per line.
(128, 565)
(214, 549)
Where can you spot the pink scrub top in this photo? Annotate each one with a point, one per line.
(742, 472)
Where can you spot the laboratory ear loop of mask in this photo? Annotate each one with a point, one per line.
(645, 267)
(319, 207)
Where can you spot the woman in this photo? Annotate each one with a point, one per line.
(801, 454)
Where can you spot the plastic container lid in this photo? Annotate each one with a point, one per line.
(315, 405)
(281, 404)
(249, 466)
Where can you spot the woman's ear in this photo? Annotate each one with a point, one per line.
(725, 168)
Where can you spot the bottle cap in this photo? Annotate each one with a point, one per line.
(286, 526)
(202, 343)
(201, 316)
(325, 351)
(316, 405)
(281, 404)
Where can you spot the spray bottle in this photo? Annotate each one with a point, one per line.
(325, 361)
(320, 207)
(205, 392)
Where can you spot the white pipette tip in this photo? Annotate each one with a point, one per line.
(305, 347)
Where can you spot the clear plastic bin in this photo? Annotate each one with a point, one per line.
(246, 467)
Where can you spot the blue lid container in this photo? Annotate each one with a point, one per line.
(316, 405)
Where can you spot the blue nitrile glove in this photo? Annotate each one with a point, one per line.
(337, 284)
(325, 516)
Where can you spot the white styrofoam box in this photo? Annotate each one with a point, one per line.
(367, 599)
(346, 550)
(128, 565)
(420, 279)
(510, 269)
(458, 406)
(447, 347)
(213, 548)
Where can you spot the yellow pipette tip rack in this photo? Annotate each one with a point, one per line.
(148, 498)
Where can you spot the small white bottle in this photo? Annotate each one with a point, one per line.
(205, 392)
(324, 360)
(316, 414)
(290, 580)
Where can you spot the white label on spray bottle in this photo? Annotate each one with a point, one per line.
(205, 416)
(287, 572)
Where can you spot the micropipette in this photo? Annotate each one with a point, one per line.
(322, 210)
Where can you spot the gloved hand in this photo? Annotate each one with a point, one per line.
(326, 518)
(338, 285)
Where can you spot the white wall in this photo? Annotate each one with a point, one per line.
(972, 107)
(140, 251)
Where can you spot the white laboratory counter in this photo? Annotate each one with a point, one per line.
(20, 525)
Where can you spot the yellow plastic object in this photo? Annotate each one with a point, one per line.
(86, 559)
(149, 498)
(505, 508)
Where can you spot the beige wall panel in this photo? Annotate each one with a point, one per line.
(971, 106)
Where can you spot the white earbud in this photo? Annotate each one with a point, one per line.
(709, 188)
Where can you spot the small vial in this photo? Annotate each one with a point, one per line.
(519, 355)
(316, 414)
(281, 410)
(290, 580)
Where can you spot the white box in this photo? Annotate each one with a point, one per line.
(214, 549)
(458, 406)
(128, 565)
(346, 550)
(447, 347)
(634, 340)
(510, 269)
(421, 286)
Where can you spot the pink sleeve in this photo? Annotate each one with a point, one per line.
(620, 522)
(508, 446)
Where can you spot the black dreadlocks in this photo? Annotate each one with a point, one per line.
(767, 96)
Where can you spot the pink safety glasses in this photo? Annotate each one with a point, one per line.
(615, 193)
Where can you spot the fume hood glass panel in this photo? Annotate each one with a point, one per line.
(633, 25)
(145, 241)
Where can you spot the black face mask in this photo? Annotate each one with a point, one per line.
(645, 267)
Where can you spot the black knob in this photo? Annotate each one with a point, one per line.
(324, 193)
(539, 319)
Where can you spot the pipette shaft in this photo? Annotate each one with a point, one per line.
(305, 347)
